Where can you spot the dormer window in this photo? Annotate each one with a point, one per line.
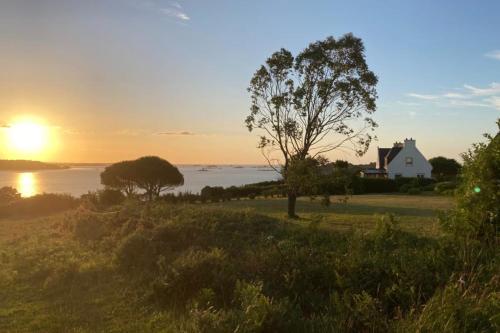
(409, 161)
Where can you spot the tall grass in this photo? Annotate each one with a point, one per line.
(193, 268)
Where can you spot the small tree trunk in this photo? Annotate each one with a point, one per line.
(292, 199)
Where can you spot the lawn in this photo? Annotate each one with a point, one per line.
(417, 213)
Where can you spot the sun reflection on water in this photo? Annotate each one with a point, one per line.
(26, 184)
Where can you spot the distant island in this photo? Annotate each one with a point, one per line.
(26, 165)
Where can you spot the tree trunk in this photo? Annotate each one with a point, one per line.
(292, 199)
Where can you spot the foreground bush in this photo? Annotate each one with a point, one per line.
(479, 191)
(445, 187)
(214, 270)
(8, 195)
(38, 205)
(227, 269)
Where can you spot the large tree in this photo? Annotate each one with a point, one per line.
(155, 175)
(150, 174)
(120, 176)
(444, 168)
(312, 104)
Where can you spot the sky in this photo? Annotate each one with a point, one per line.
(116, 80)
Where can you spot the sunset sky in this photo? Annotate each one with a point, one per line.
(113, 80)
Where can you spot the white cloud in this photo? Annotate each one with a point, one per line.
(175, 4)
(460, 102)
(424, 97)
(176, 133)
(495, 54)
(468, 96)
(408, 103)
(175, 10)
(495, 102)
(456, 95)
(493, 89)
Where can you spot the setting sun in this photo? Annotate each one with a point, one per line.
(27, 137)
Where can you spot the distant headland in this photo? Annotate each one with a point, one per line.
(26, 165)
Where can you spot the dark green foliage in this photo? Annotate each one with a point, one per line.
(109, 197)
(155, 175)
(478, 213)
(266, 189)
(340, 164)
(214, 194)
(321, 280)
(8, 194)
(38, 205)
(444, 168)
(413, 190)
(414, 182)
(459, 309)
(136, 254)
(103, 199)
(385, 185)
(120, 176)
(182, 197)
(150, 174)
(376, 185)
(90, 227)
(445, 187)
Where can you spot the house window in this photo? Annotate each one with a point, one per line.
(420, 175)
(409, 161)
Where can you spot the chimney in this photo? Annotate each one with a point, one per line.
(398, 144)
(410, 143)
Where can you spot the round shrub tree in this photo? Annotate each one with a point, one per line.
(150, 174)
(120, 176)
(8, 194)
(154, 175)
(444, 168)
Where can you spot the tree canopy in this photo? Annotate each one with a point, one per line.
(150, 174)
(444, 168)
(308, 105)
(479, 192)
(9, 194)
(120, 176)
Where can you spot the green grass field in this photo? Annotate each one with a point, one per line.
(416, 213)
(103, 302)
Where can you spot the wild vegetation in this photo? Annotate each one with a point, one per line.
(215, 267)
(14, 206)
(199, 268)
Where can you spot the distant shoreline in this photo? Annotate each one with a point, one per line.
(26, 165)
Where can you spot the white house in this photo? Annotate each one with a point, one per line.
(402, 160)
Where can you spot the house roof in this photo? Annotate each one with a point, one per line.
(386, 155)
(392, 153)
(382, 153)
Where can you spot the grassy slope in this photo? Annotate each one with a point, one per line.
(105, 304)
(415, 213)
